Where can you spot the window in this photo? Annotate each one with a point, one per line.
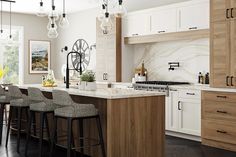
(11, 54)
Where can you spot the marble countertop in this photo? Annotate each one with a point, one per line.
(104, 93)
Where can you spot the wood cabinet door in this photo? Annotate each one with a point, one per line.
(220, 53)
(190, 116)
(194, 17)
(233, 53)
(164, 21)
(220, 10)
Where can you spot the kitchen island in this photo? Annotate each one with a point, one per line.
(133, 122)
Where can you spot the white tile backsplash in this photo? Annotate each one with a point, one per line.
(193, 56)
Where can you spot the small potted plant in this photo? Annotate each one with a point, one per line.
(87, 81)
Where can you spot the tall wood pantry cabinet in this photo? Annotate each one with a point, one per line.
(223, 43)
(108, 52)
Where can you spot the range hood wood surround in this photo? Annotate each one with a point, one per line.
(204, 33)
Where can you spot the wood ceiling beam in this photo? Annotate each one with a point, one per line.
(10, 1)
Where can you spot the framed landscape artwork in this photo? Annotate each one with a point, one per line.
(39, 56)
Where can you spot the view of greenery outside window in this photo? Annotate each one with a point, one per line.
(9, 55)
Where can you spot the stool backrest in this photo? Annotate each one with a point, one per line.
(61, 98)
(35, 94)
(2, 92)
(14, 92)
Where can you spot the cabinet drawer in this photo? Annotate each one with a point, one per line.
(219, 96)
(219, 131)
(190, 94)
(219, 110)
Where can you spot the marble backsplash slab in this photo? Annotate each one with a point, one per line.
(193, 56)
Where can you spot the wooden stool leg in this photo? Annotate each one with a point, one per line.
(9, 125)
(19, 111)
(81, 135)
(42, 115)
(1, 121)
(54, 136)
(47, 127)
(34, 122)
(99, 126)
(28, 131)
(69, 130)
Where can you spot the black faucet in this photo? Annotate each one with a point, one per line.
(68, 69)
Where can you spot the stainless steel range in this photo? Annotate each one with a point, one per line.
(160, 86)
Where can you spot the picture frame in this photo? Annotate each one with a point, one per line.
(39, 56)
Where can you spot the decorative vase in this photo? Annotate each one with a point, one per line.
(90, 86)
(82, 85)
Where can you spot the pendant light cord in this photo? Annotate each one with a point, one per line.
(10, 21)
(64, 7)
(1, 17)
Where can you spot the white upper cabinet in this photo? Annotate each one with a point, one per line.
(136, 25)
(194, 17)
(164, 21)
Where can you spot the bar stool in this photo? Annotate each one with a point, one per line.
(4, 100)
(18, 102)
(39, 104)
(71, 112)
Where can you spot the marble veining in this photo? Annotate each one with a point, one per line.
(193, 56)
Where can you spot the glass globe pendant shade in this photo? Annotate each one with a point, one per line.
(54, 14)
(41, 11)
(64, 23)
(10, 40)
(120, 10)
(52, 33)
(106, 24)
(101, 16)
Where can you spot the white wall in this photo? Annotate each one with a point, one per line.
(82, 26)
(34, 28)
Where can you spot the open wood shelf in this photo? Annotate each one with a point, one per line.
(204, 33)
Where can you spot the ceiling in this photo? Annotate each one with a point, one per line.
(31, 6)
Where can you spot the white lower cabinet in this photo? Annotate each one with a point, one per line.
(183, 113)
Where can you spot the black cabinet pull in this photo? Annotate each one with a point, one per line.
(223, 112)
(227, 81)
(190, 93)
(192, 28)
(223, 97)
(179, 103)
(161, 31)
(231, 12)
(222, 132)
(231, 80)
(134, 34)
(227, 13)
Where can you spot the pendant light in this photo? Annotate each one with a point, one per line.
(53, 13)
(102, 13)
(120, 10)
(106, 24)
(64, 21)
(1, 31)
(41, 10)
(52, 33)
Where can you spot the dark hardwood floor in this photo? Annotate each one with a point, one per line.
(175, 147)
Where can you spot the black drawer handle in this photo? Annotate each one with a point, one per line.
(223, 112)
(227, 13)
(179, 104)
(190, 93)
(222, 97)
(192, 28)
(222, 132)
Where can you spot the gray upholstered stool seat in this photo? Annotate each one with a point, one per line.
(77, 110)
(43, 107)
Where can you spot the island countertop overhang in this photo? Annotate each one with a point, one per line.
(103, 93)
